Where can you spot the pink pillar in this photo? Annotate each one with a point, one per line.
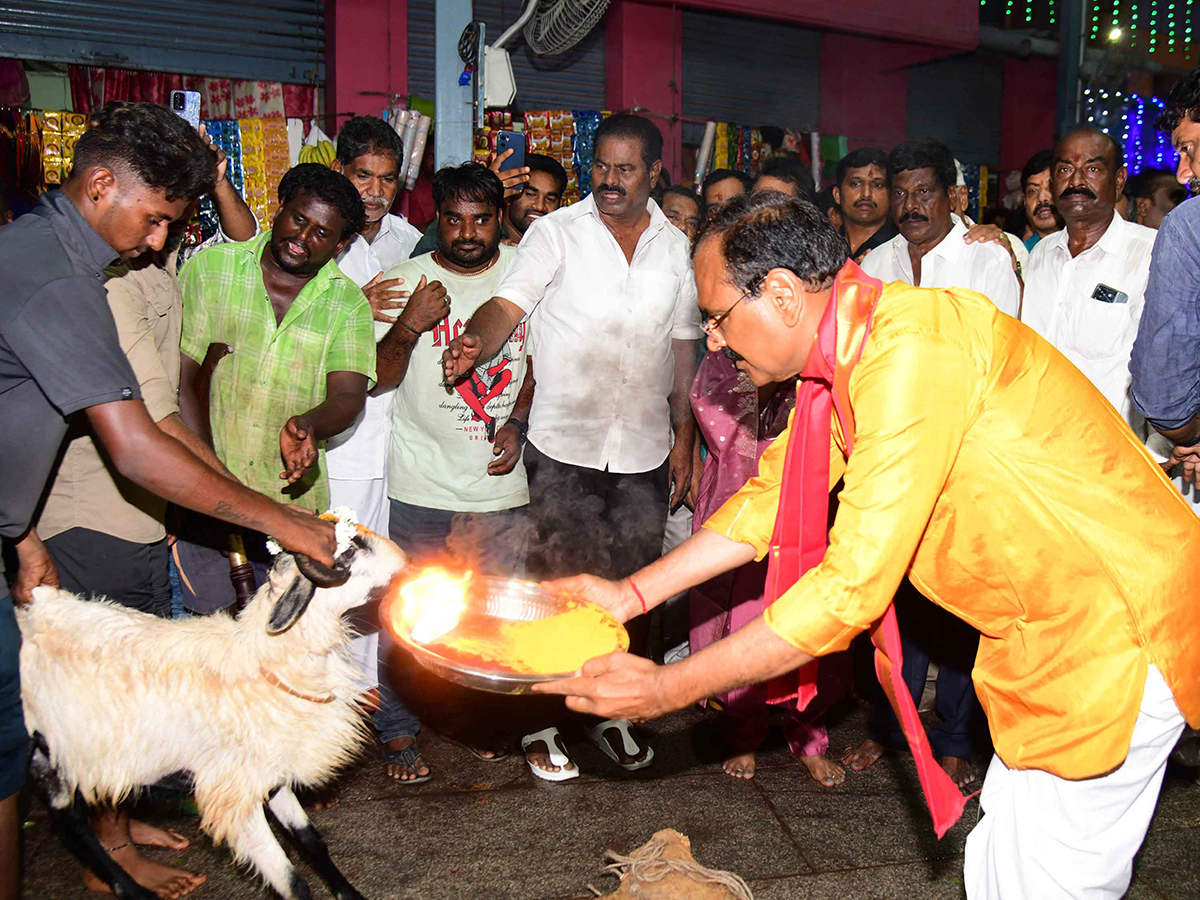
(366, 49)
(864, 87)
(643, 61)
(1027, 111)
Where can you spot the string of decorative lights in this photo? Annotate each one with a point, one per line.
(1154, 26)
(1130, 119)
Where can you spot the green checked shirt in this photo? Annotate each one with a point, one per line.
(274, 372)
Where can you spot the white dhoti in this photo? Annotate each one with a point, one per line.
(1044, 837)
(368, 498)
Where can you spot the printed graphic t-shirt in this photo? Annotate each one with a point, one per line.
(441, 439)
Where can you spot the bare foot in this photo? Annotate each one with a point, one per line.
(399, 771)
(823, 769)
(959, 770)
(325, 801)
(166, 881)
(740, 766)
(537, 754)
(864, 755)
(149, 836)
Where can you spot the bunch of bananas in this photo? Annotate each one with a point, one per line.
(321, 152)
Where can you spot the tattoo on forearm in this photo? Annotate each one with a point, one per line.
(224, 510)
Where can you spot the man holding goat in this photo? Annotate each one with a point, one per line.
(136, 170)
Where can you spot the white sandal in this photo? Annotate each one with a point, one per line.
(558, 755)
(596, 736)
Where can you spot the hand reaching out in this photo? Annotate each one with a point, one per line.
(384, 295)
(460, 356)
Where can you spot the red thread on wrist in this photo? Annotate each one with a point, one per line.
(641, 599)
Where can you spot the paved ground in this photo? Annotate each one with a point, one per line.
(490, 831)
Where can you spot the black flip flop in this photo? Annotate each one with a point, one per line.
(406, 757)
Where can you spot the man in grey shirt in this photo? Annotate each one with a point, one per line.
(136, 170)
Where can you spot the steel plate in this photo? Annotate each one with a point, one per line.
(498, 598)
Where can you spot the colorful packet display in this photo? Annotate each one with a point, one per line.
(60, 132)
(264, 163)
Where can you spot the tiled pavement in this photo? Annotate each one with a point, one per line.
(490, 831)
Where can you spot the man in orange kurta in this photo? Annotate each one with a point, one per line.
(981, 463)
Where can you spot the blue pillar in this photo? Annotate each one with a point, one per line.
(453, 133)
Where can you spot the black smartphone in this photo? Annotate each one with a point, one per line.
(514, 141)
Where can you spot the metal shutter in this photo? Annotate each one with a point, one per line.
(749, 71)
(957, 101)
(269, 40)
(420, 48)
(574, 80)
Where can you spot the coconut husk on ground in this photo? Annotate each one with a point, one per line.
(663, 869)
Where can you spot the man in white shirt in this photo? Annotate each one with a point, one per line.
(930, 250)
(370, 154)
(1085, 285)
(609, 288)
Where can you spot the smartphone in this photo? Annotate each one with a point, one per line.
(186, 105)
(1106, 294)
(515, 141)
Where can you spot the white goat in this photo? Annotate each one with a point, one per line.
(251, 708)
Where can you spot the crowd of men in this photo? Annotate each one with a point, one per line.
(540, 391)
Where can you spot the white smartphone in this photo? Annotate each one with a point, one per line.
(186, 105)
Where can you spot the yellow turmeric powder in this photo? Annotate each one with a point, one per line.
(552, 646)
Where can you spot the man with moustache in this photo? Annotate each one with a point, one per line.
(302, 352)
(978, 461)
(930, 252)
(370, 155)
(861, 193)
(1085, 284)
(1041, 218)
(609, 288)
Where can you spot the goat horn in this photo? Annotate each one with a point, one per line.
(321, 575)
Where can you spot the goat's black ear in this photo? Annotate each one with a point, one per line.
(291, 604)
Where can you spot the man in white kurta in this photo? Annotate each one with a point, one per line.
(370, 154)
(357, 458)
